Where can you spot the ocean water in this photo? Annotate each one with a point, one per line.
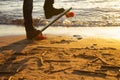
(89, 15)
(87, 12)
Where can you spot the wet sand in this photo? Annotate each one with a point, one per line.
(59, 58)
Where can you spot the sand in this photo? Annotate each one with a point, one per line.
(59, 57)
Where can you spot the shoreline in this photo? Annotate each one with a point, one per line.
(6, 40)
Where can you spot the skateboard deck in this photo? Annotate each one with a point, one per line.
(59, 16)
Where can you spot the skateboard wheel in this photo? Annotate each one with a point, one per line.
(39, 37)
(42, 37)
(70, 14)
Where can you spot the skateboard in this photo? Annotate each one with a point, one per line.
(58, 17)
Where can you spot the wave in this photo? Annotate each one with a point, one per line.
(65, 22)
(87, 13)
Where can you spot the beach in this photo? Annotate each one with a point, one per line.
(83, 47)
(59, 57)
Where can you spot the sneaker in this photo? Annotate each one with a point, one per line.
(50, 11)
(33, 34)
(53, 12)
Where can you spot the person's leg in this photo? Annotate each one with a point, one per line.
(31, 32)
(49, 10)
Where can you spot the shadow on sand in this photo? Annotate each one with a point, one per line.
(10, 52)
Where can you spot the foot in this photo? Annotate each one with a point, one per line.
(33, 34)
(50, 11)
(53, 12)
